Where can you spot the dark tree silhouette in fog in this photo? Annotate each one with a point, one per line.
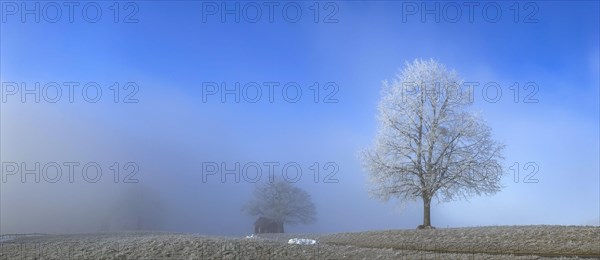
(281, 202)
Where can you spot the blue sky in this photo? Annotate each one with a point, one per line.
(170, 51)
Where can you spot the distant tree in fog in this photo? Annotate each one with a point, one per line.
(428, 145)
(281, 202)
(136, 208)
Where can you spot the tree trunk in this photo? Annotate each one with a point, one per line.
(280, 227)
(426, 212)
(139, 223)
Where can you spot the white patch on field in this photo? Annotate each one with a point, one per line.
(302, 241)
(6, 238)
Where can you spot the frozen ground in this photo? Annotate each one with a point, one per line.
(515, 242)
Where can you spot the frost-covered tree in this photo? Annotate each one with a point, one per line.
(428, 144)
(281, 202)
(138, 207)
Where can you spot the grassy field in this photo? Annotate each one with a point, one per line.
(504, 242)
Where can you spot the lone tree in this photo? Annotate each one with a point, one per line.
(282, 202)
(428, 145)
(137, 208)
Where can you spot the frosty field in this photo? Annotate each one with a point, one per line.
(502, 242)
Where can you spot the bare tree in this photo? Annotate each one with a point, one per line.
(137, 208)
(428, 144)
(282, 202)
